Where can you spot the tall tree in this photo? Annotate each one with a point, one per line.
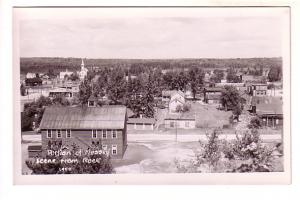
(33, 113)
(275, 74)
(85, 91)
(181, 80)
(196, 77)
(117, 86)
(100, 87)
(232, 77)
(231, 100)
(148, 99)
(217, 76)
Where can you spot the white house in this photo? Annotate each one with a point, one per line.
(180, 122)
(63, 74)
(30, 75)
(177, 99)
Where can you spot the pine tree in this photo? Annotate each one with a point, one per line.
(116, 86)
(85, 91)
(148, 99)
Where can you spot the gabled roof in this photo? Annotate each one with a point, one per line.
(176, 99)
(141, 121)
(106, 117)
(172, 92)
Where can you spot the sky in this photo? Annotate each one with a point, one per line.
(150, 33)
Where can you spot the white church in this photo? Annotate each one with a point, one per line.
(83, 72)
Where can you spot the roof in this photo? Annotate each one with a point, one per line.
(93, 98)
(171, 92)
(230, 84)
(213, 96)
(267, 105)
(130, 112)
(178, 117)
(269, 109)
(177, 99)
(59, 90)
(265, 100)
(213, 89)
(141, 121)
(35, 148)
(105, 117)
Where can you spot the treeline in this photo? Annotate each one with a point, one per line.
(137, 92)
(43, 64)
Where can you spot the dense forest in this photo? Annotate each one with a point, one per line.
(43, 64)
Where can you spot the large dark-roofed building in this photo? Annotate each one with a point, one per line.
(86, 126)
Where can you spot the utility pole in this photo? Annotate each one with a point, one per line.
(176, 130)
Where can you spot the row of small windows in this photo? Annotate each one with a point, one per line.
(261, 92)
(103, 133)
(95, 133)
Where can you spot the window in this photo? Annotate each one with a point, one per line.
(94, 133)
(58, 133)
(277, 121)
(68, 133)
(172, 124)
(49, 133)
(91, 103)
(114, 134)
(104, 147)
(114, 150)
(187, 124)
(104, 134)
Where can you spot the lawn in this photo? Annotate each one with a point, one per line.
(208, 116)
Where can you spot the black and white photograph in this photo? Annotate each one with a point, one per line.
(151, 90)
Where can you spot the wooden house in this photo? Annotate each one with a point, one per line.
(258, 89)
(212, 95)
(85, 127)
(269, 109)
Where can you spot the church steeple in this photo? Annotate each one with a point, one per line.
(82, 64)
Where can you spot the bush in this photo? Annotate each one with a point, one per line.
(255, 123)
(245, 154)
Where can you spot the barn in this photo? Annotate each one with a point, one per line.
(86, 126)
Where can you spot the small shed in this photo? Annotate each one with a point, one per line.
(140, 123)
(173, 121)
